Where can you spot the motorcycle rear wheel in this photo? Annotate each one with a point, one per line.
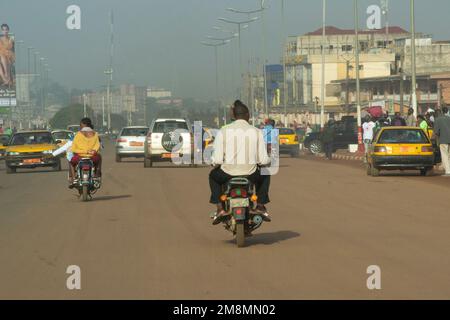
(240, 235)
(85, 193)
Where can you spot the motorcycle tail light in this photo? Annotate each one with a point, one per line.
(86, 168)
(427, 149)
(223, 198)
(254, 198)
(234, 193)
(121, 140)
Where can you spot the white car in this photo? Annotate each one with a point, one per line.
(130, 142)
(168, 140)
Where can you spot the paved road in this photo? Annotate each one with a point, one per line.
(147, 235)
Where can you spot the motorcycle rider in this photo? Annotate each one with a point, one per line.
(86, 144)
(250, 151)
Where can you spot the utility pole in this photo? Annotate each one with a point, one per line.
(284, 42)
(413, 60)
(103, 111)
(402, 83)
(347, 86)
(322, 95)
(84, 106)
(358, 90)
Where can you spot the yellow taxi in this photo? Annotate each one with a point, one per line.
(31, 149)
(400, 148)
(288, 141)
(4, 138)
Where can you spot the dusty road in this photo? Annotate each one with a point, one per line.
(147, 235)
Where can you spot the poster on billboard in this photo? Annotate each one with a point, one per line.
(7, 70)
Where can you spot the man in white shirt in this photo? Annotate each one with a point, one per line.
(239, 149)
(368, 128)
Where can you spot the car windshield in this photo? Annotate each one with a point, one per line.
(62, 135)
(31, 138)
(403, 136)
(286, 131)
(168, 126)
(135, 132)
(4, 139)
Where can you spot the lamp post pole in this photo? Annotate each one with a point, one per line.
(413, 61)
(358, 89)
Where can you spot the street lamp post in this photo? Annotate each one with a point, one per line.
(413, 60)
(215, 46)
(322, 95)
(358, 89)
(239, 24)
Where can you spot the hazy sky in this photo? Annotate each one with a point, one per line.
(157, 42)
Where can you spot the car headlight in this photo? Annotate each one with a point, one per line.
(47, 152)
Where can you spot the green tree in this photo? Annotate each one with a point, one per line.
(69, 115)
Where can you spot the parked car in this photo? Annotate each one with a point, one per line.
(130, 142)
(31, 149)
(167, 139)
(406, 148)
(346, 133)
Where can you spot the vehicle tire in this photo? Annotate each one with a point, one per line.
(240, 234)
(369, 170)
(375, 172)
(316, 147)
(10, 170)
(295, 154)
(425, 172)
(118, 158)
(84, 193)
(147, 163)
(57, 166)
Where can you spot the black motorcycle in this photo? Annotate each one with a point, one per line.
(239, 202)
(86, 183)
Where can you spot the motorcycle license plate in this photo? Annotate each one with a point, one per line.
(239, 203)
(31, 161)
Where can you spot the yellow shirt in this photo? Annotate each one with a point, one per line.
(82, 145)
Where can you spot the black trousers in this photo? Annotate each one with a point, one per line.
(329, 146)
(217, 178)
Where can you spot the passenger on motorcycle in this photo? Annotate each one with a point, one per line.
(86, 144)
(239, 151)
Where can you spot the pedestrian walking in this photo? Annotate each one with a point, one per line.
(442, 132)
(328, 136)
(398, 120)
(368, 130)
(410, 118)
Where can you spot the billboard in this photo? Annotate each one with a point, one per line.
(7, 70)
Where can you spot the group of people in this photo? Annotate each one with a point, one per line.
(8, 131)
(85, 144)
(436, 124)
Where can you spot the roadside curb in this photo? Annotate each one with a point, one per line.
(342, 157)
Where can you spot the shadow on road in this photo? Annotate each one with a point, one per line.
(105, 198)
(270, 237)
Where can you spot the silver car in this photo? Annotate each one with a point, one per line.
(130, 142)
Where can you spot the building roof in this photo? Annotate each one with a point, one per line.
(332, 30)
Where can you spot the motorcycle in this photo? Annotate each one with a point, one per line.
(86, 183)
(239, 202)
